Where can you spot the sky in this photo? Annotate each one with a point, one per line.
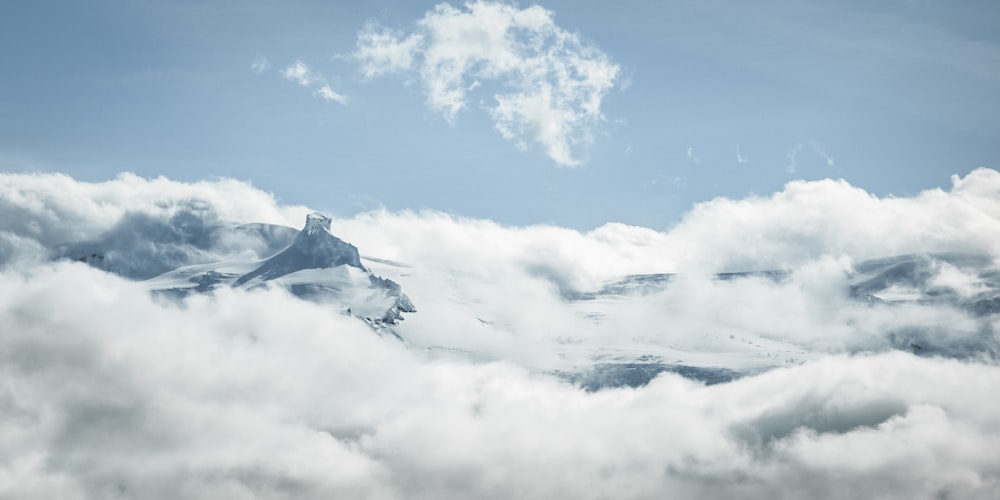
(574, 113)
(504, 164)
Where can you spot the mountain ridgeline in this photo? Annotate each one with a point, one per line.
(313, 248)
(193, 253)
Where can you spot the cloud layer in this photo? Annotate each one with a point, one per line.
(549, 82)
(108, 392)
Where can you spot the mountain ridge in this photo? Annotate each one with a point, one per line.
(310, 263)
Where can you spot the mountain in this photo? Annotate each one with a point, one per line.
(313, 248)
(965, 281)
(623, 332)
(910, 285)
(183, 255)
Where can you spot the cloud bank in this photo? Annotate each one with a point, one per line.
(550, 81)
(109, 392)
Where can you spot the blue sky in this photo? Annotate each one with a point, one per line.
(708, 98)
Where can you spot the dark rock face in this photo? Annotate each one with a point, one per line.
(402, 303)
(141, 246)
(920, 272)
(638, 374)
(313, 248)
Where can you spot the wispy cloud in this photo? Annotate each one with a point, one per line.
(792, 156)
(327, 93)
(551, 82)
(259, 65)
(382, 51)
(692, 156)
(300, 73)
(740, 158)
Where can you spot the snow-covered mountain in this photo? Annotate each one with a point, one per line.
(184, 256)
(964, 285)
(592, 338)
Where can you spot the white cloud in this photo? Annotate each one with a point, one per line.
(692, 156)
(327, 93)
(815, 147)
(258, 395)
(300, 73)
(739, 156)
(626, 81)
(108, 392)
(551, 82)
(259, 65)
(382, 51)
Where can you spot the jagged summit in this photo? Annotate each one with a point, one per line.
(313, 248)
(316, 222)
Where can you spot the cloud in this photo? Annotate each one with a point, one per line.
(108, 391)
(550, 82)
(739, 156)
(300, 73)
(259, 65)
(260, 395)
(692, 156)
(327, 93)
(793, 155)
(382, 51)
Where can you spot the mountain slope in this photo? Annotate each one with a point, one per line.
(313, 248)
(177, 258)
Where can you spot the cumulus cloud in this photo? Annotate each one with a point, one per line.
(109, 391)
(831, 217)
(263, 396)
(551, 82)
(382, 51)
(300, 73)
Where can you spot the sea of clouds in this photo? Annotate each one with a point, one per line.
(109, 392)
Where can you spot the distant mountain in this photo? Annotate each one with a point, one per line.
(898, 286)
(964, 281)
